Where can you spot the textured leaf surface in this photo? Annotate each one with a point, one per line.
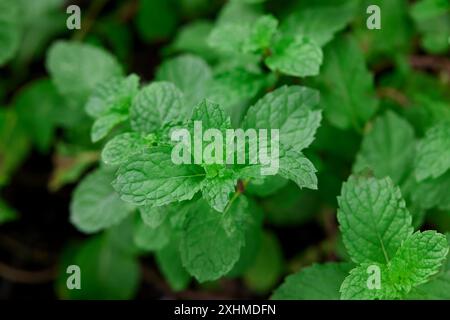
(113, 95)
(289, 109)
(420, 257)
(156, 105)
(151, 178)
(119, 149)
(373, 219)
(318, 23)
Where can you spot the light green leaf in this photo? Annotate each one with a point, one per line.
(230, 37)
(346, 86)
(290, 110)
(296, 167)
(103, 125)
(433, 152)
(211, 115)
(193, 38)
(319, 23)
(419, 257)
(113, 95)
(299, 57)
(317, 282)
(77, 68)
(217, 190)
(211, 241)
(231, 87)
(355, 286)
(156, 105)
(189, 73)
(151, 239)
(261, 34)
(373, 219)
(95, 205)
(388, 148)
(151, 178)
(155, 216)
(120, 148)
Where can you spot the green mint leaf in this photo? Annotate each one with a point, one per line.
(346, 86)
(156, 105)
(193, 38)
(388, 148)
(189, 73)
(211, 241)
(231, 87)
(113, 95)
(170, 264)
(419, 257)
(436, 289)
(155, 216)
(11, 29)
(317, 282)
(103, 125)
(289, 109)
(373, 219)
(211, 115)
(95, 205)
(295, 56)
(318, 23)
(119, 149)
(151, 239)
(355, 285)
(296, 167)
(261, 34)
(433, 152)
(217, 190)
(77, 68)
(151, 178)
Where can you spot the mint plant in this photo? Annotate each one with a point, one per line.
(212, 145)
